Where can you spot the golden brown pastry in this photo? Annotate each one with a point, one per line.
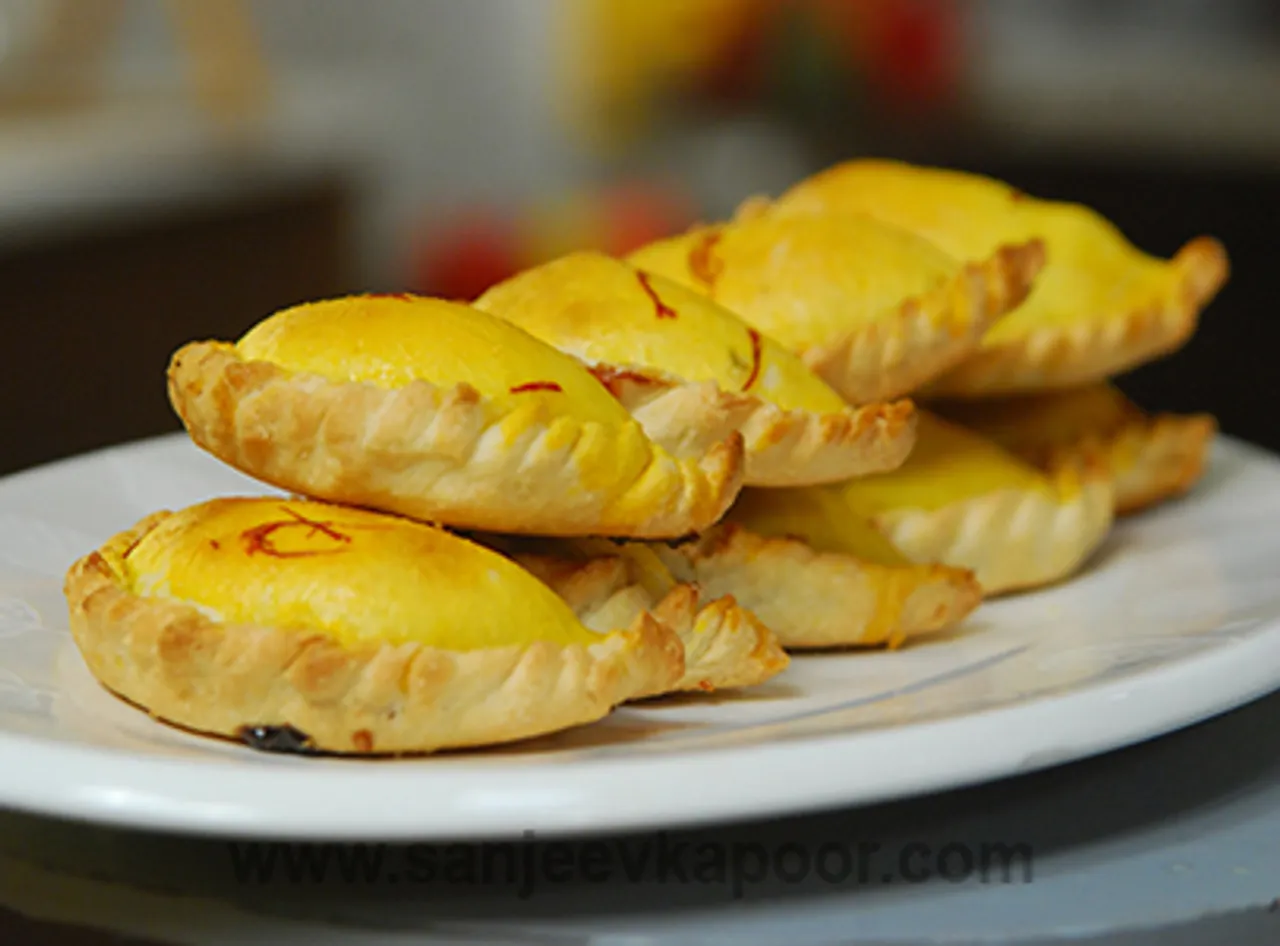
(874, 310)
(608, 584)
(1152, 458)
(1100, 307)
(959, 500)
(304, 625)
(441, 412)
(797, 430)
(823, 599)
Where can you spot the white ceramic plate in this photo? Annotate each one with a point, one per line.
(1177, 619)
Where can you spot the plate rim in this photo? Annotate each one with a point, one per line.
(82, 783)
(577, 796)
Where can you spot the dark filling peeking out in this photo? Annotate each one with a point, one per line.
(276, 739)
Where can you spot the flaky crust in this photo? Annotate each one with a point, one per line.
(822, 600)
(725, 646)
(782, 447)
(1152, 458)
(197, 672)
(805, 448)
(1091, 350)
(433, 454)
(685, 418)
(900, 352)
(1012, 539)
(1169, 457)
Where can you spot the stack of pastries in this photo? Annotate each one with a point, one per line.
(838, 420)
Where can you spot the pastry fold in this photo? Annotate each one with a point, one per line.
(1100, 307)
(959, 500)
(610, 584)
(352, 631)
(817, 600)
(877, 312)
(440, 412)
(797, 430)
(1152, 457)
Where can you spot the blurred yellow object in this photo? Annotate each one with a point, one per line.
(65, 67)
(620, 53)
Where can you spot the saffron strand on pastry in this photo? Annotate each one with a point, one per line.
(441, 412)
(877, 312)
(363, 632)
(797, 430)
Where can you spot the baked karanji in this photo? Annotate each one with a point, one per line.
(616, 318)
(875, 329)
(354, 631)
(436, 410)
(1151, 457)
(842, 418)
(959, 500)
(1100, 307)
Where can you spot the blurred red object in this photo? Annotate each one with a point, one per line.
(466, 257)
(632, 215)
(910, 51)
(461, 256)
(919, 45)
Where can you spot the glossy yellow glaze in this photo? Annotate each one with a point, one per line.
(1092, 271)
(393, 340)
(803, 278)
(949, 464)
(672, 257)
(355, 575)
(605, 311)
(817, 515)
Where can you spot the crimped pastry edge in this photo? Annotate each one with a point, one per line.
(1012, 539)
(821, 600)
(1166, 455)
(725, 646)
(684, 418)
(807, 448)
(733, 638)
(179, 665)
(928, 335)
(782, 447)
(1065, 356)
(431, 454)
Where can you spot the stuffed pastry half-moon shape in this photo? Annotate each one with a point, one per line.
(609, 584)
(1152, 457)
(959, 500)
(822, 599)
(441, 412)
(1100, 307)
(797, 430)
(875, 311)
(304, 625)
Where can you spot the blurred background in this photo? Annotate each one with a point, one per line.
(177, 169)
